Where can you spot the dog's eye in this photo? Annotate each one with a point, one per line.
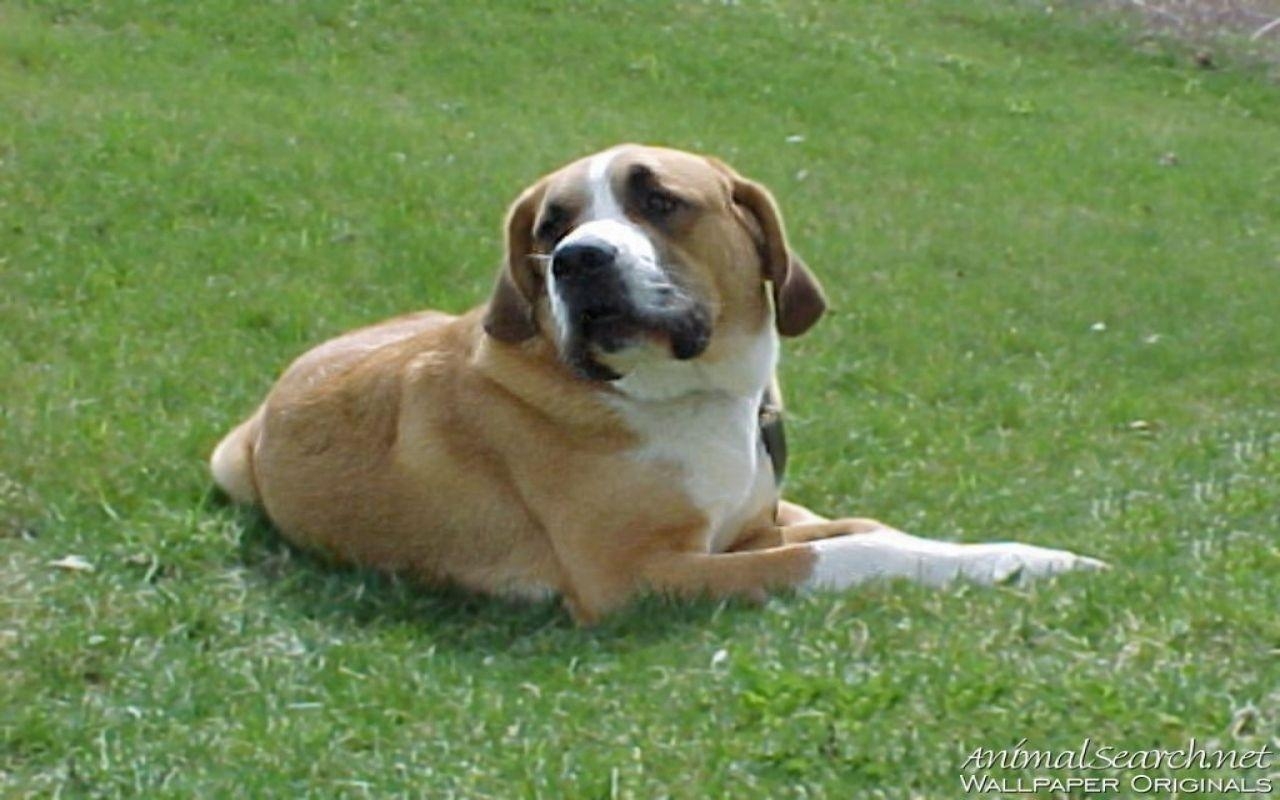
(549, 232)
(552, 226)
(659, 204)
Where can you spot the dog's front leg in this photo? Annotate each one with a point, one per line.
(828, 560)
(749, 574)
(888, 553)
(855, 550)
(810, 556)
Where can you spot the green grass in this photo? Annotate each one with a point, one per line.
(193, 193)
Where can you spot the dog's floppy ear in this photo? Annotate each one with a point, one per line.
(509, 317)
(798, 299)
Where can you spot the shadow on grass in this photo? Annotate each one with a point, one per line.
(319, 589)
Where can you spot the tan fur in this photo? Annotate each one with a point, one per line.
(461, 449)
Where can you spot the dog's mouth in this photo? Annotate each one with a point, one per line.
(610, 328)
(676, 323)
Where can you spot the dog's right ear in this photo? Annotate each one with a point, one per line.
(510, 314)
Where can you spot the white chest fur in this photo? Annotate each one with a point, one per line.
(703, 421)
(712, 443)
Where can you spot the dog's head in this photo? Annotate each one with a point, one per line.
(643, 253)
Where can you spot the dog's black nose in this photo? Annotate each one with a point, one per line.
(580, 259)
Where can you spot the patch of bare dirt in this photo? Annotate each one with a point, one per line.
(1214, 28)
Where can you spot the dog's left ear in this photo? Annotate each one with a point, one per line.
(798, 299)
(510, 314)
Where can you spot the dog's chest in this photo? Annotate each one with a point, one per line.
(713, 445)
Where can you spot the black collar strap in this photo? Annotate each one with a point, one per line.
(773, 434)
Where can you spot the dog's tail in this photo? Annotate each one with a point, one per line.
(232, 461)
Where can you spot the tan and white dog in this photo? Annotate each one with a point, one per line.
(595, 429)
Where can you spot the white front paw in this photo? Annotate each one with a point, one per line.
(1007, 562)
(846, 561)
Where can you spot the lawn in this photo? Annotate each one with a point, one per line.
(1054, 261)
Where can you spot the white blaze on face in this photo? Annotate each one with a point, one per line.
(603, 204)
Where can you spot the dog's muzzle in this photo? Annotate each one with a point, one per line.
(608, 302)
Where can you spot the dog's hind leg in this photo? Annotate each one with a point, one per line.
(794, 514)
(797, 525)
(232, 461)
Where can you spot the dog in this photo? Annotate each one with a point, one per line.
(607, 423)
